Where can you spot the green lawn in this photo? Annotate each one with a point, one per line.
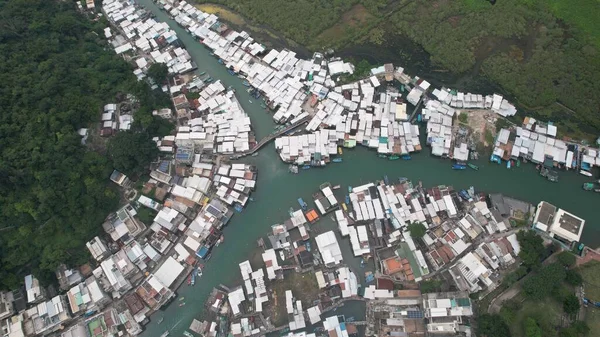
(591, 279)
(592, 318)
(547, 314)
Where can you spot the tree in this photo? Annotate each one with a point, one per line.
(54, 79)
(463, 118)
(532, 329)
(158, 72)
(544, 281)
(566, 258)
(430, 286)
(417, 229)
(146, 215)
(492, 326)
(571, 305)
(573, 278)
(532, 248)
(131, 152)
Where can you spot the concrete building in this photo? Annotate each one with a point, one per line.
(13, 326)
(544, 216)
(47, 317)
(6, 306)
(329, 248)
(446, 311)
(566, 227)
(35, 292)
(98, 249)
(67, 277)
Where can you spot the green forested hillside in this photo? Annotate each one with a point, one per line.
(545, 53)
(55, 75)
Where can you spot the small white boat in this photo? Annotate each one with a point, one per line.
(165, 334)
(336, 187)
(250, 101)
(585, 173)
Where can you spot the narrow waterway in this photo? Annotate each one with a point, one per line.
(277, 191)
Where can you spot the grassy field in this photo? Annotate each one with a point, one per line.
(592, 318)
(222, 13)
(547, 314)
(591, 279)
(583, 14)
(357, 16)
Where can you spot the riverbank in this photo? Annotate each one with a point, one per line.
(467, 53)
(274, 194)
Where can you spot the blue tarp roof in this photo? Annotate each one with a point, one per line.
(202, 252)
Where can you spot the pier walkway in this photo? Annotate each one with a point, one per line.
(272, 136)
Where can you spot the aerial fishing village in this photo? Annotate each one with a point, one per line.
(469, 238)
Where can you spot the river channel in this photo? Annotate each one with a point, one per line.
(277, 191)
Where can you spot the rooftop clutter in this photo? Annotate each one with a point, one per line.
(222, 127)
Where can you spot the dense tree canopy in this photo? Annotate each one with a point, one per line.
(158, 72)
(417, 229)
(492, 326)
(571, 305)
(532, 329)
(573, 278)
(55, 75)
(532, 248)
(132, 152)
(566, 258)
(542, 283)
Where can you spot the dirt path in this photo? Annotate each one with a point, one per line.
(497, 302)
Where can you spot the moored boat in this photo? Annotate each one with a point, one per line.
(181, 304)
(340, 151)
(337, 160)
(586, 173)
(473, 166)
(246, 83)
(588, 186)
(406, 157)
(306, 167)
(394, 157)
(382, 156)
(202, 73)
(336, 187)
(302, 204)
(165, 334)
(458, 166)
(255, 154)
(187, 334)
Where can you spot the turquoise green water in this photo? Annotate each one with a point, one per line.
(278, 190)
